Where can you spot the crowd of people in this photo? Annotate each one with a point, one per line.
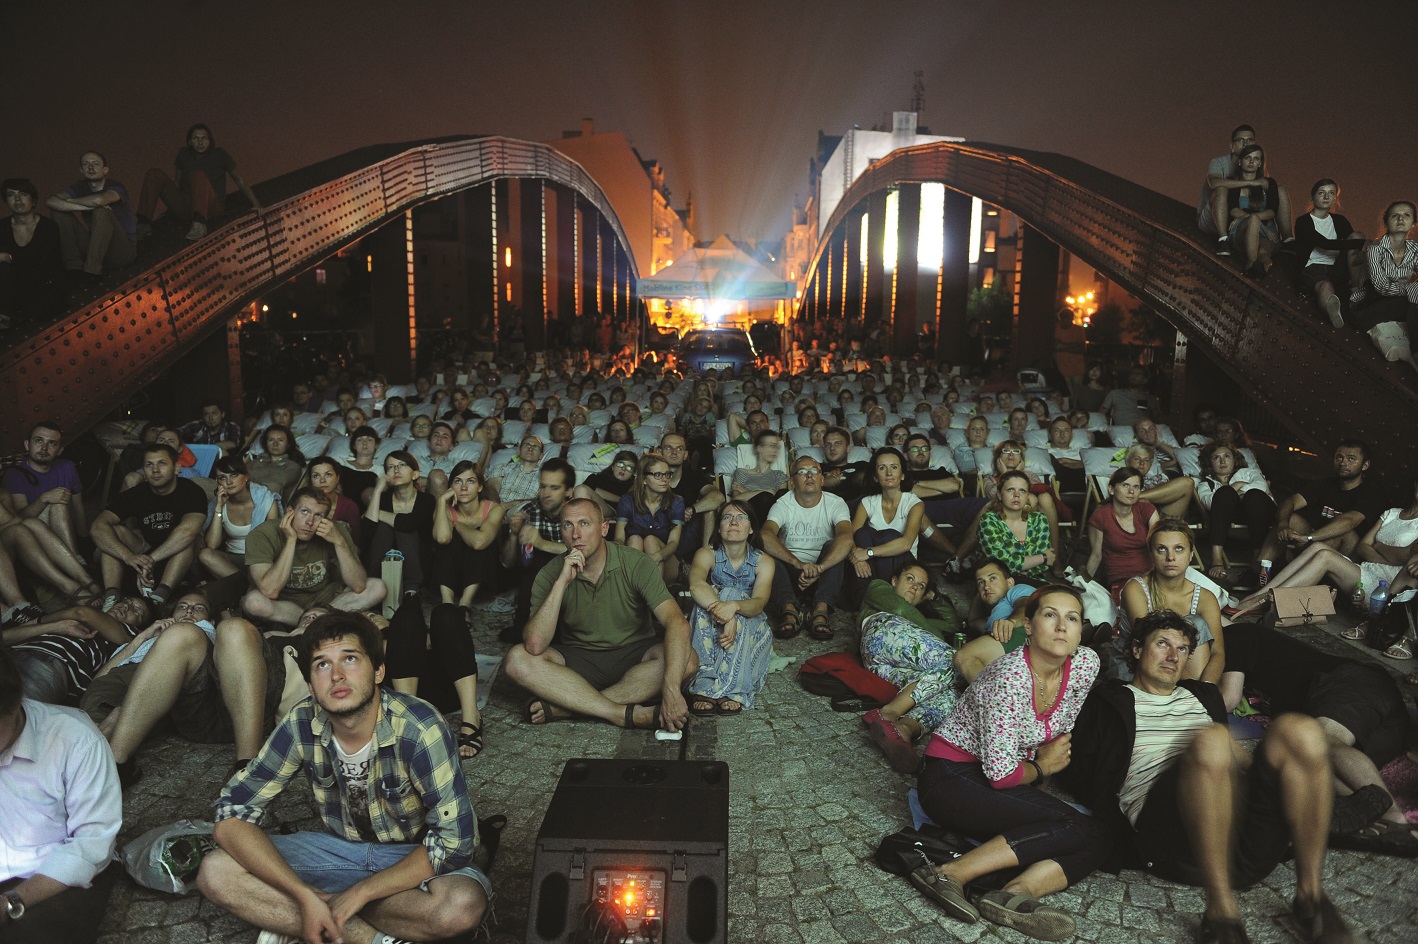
(305, 588)
(652, 536)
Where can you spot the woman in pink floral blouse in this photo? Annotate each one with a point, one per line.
(1007, 735)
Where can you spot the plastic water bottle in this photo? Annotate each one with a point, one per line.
(1360, 598)
(1378, 599)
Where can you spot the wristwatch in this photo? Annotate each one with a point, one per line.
(14, 906)
(871, 552)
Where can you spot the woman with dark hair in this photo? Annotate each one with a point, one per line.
(650, 517)
(1009, 732)
(1166, 587)
(730, 581)
(1228, 490)
(400, 517)
(618, 432)
(279, 464)
(464, 532)
(1321, 237)
(238, 506)
(1260, 214)
(611, 483)
(31, 263)
(396, 409)
(887, 524)
(1117, 531)
(197, 190)
(358, 472)
(897, 435)
(1093, 390)
(325, 476)
(1010, 532)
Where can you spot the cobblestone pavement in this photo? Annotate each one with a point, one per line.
(809, 799)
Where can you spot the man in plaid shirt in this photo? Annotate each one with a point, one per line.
(537, 525)
(396, 860)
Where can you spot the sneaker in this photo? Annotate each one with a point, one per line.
(1223, 246)
(198, 230)
(110, 597)
(271, 937)
(1319, 922)
(1336, 316)
(1028, 916)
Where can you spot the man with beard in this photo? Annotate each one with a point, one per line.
(396, 858)
(841, 476)
(47, 487)
(1332, 511)
(701, 496)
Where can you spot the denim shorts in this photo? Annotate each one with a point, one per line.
(332, 864)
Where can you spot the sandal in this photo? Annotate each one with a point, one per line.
(703, 705)
(630, 724)
(1028, 916)
(1216, 572)
(789, 626)
(730, 707)
(1382, 836)
(548, 716)
(470, 737)
(820, 628)
(1356, 633)
(1403, 649)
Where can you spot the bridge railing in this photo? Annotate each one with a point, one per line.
(79, 368)
(1322, 384)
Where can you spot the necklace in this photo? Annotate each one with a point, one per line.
(1042, 690)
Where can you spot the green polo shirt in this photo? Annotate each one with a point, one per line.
(615, 611)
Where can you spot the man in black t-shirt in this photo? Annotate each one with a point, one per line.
(168, 512)
(841, 476)
(694, 485)
(1331, 511)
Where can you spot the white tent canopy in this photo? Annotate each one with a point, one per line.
(719, 271)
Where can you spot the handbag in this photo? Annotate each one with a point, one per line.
(900, 853)
(1301, 606)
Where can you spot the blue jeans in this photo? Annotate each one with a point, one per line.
(332, 864)
(1037, 826)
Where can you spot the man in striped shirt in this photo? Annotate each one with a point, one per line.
(1176, 795)
(59, 655)
(395, 861)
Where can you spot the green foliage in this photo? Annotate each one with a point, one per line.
(991, 305)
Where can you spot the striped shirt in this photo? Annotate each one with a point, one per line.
(1166, 725)
(417, 792)
(1391, 278)
(81, 658)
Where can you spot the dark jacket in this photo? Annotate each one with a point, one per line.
(1308, 239)
(1102, 749)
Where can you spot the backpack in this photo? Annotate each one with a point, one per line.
(841, 677)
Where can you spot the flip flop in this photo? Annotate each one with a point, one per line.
(1381, 836)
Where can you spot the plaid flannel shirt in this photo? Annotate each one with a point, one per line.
(417, 791)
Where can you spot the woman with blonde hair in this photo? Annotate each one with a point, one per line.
(1166, 587)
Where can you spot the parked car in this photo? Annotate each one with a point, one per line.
(716, 349)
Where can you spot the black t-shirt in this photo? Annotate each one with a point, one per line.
(159, 514)
(691, 485)
(354, 482)
(1325, 501)
(606, 481)
(912, 476)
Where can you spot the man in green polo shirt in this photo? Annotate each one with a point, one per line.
(606, 599)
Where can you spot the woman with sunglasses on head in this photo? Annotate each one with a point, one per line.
(650, 517)
(730, 582)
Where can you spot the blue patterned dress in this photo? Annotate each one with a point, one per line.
(739, 672)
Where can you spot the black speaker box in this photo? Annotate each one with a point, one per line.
(639, 846)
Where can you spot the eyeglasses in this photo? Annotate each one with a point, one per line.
(918, 448)
(1011, 452)
(190, 607)
(663, 474)
(625, 466)
(391, 466)
(808, 473)
(735, 519)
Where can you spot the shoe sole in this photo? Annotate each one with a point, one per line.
(1336, 314)
(1048, 924)
(960, 910)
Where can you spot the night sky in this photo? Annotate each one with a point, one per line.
(729, 96)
